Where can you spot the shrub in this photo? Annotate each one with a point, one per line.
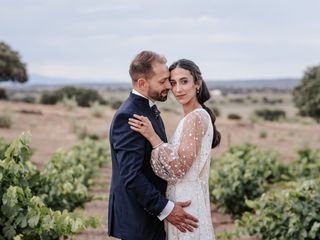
(3, 146)
(307, 165)
(3, 94)
(270, 115)
(96, 109)
(216, 111)
(84, 97)
(5, 120)
(115, 104)
(243, 172)
(49, 98)
(28, 99)
(271, 101)
(69, 103)
(263, 134)
(306, 96)
(237, 100)
(24, 214)
(234, 116)
(82, 133)
(292, 213)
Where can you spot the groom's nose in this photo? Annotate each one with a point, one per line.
(168, 85)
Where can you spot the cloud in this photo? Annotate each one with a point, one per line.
(78, 72)
(108, 8)
(97, 39)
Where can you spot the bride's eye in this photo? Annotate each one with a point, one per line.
(173, 83)
(184, 81)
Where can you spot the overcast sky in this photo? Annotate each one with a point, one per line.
(97, 39)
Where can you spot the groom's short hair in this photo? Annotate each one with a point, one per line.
(141, 65)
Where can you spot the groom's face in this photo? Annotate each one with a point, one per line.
(158, 84)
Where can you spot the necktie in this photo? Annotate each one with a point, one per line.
(156, 113)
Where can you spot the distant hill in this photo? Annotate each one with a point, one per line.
(282, 84)
(37, 82)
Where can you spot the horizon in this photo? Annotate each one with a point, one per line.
(37, 79)
(276, 83)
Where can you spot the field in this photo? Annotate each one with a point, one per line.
(56, 126)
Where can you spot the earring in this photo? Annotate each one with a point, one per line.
(198, 90)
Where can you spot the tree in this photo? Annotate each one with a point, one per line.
(306, 96)
(11, 68)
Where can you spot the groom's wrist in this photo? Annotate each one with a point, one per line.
(166, 211)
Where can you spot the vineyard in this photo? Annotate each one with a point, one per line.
(256, 193)
(40, 204)
(270, 200)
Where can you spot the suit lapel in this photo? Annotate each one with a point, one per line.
(158, 122)
(146, 111)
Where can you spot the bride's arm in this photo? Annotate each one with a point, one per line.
(172, 161)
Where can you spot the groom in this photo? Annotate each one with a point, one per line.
(137, 202)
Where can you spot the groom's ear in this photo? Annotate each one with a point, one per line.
(141, 83)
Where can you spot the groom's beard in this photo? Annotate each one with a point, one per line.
(158, 96)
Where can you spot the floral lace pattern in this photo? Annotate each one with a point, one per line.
(185, 163)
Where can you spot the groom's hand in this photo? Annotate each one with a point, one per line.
(181, 219)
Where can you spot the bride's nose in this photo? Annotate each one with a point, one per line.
(178, 87)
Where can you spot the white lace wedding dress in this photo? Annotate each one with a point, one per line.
(185, 163)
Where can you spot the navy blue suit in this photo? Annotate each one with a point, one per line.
(137, 195)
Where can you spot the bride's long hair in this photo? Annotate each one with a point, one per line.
(202, 95)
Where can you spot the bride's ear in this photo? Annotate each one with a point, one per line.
(198, 85)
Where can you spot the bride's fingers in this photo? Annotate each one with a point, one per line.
(134, 122)
(135, 129)
(140, 117)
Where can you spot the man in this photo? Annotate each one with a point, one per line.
(137, 203)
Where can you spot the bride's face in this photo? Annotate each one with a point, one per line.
(183, 86)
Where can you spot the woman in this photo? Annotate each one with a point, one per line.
(185, 161)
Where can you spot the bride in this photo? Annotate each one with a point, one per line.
(184, 162)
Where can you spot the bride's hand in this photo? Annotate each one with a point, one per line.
(142, 125)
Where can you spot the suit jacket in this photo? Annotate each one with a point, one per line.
(137, 195)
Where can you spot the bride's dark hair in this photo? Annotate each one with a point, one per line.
(202, 95)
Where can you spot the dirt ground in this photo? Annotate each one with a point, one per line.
(52, 127)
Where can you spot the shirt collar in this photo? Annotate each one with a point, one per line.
(139, 94)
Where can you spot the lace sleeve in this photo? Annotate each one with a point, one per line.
(172, 161)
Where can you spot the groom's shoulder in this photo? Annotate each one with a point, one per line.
(128, 107)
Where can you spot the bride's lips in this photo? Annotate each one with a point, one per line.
(180, 96)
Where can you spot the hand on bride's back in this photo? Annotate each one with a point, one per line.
(181, 219)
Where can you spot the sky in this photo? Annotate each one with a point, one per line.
(97, 39)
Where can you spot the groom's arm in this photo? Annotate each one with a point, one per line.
(166, 211)
(130, 152)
